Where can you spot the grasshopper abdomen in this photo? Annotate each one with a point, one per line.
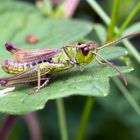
(14, 67)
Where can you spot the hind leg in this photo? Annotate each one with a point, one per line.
(36, 89)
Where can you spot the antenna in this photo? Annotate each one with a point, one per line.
(118, 40)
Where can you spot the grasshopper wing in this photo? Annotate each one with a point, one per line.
(22, 55)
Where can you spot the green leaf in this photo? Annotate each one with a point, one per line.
(132, 29)
(100, 31)
(109, 54)
(15, 26)
(121, 105)
(93, 81)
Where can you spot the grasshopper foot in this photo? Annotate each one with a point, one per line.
(37, 89)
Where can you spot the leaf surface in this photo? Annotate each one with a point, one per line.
(16, 25)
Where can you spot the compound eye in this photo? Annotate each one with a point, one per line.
(85, 51)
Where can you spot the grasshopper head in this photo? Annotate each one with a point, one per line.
(85, 52)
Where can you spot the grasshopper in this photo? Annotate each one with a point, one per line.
(39, 64)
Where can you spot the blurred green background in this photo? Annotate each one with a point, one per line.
(116, 116)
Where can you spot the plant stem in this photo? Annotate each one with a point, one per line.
(6, 128)
(129, 18)
(113, 20)
(99, 11)
(33, 126)
(132, 50)
(127, 95)
(61, 119)
(106, 19)
(85, 118)
(45, 7)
